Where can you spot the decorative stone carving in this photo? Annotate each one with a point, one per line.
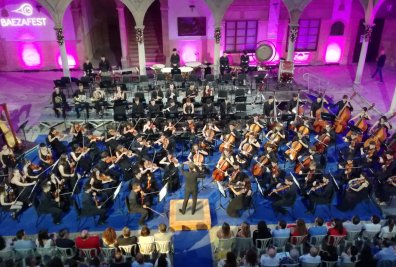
(293, 32)
(60, 38)
(217, 34)
(368, 30)
(139, 34)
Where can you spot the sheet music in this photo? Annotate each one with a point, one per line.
(221, 189)
(259, 187)
(295, 181)
(163, 192)
(117, 191)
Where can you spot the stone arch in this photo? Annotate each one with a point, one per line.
(337, 29)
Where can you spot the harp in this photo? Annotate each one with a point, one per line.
(6, 129)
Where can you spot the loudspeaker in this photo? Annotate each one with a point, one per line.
(120, 113)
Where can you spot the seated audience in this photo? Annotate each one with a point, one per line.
(118, 261)
(281, 230)
(299, 230)
(311, 257)
(163, 234)
(262, 232)
(293, 258)
(109, 238)
(388, 231)
(318, 228)
(145, 236)
(244, 230)
(22, 242)
(337, 230)
(270, 258)
(225, 232)
(329, 253)
(55, 262)
(139, 262)
(86, 241)
(374, 225)
(387, 252)
(354, 225)
(162, 261)
(250, 259)
(44, 240)
(349, 255)
(366, 258)
(125, 239)
(229, 261)
(63, 240)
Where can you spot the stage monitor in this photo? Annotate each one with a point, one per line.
(191, 26)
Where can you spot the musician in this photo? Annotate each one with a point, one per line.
(167, 143)
(169, 128)
(224, 64)
(31, 171)
(138, 109)
(188, 107)
(7, 159)
(145, 167)
(314, 156)
(268, 108)
(104, 65)
(349, 170)
(321, 192)
(284, 195)
(197, 156)
(149, 187)
(385, 189)
(242, 199)
(172, 93)
(54, 138)
(192, 91)
(58, 191)
(311, 176)
(252, 123)
(129, 132)
(354, 141)
(208, 109)
(268, 153)
(149, 127)
(244, 62)
(248, 147)
(153, 108)
(387, 164)
(171, 172)
(274, 175)
(157, 94)
(50, 204)
(77, 131)
(106, 166)
(236, 179)
(123, 160)
(140, 147)
(191, 187)
(276, 135)
(67, 172)
(299, 139)
(231, 129)
(356, 190)
(87, 67)
(20, 184)
(136, 205)
(317, 104)
(99, 183)
(369, 154)
(111, 138)
(91, 206)
(59, 102)
(382, 122)
(98, 99)
(208, 91)
(45, 156)
(119, 96)
(292, 104)
(80, 101)
(175, 59)
(342, 103)
(171, 107)
(207, 68)
(79, 156)
(362, 114)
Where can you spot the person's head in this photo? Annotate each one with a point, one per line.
(262, 227)
(174, 51)
(103, 58)
(225, 54)
(391, 224)
(382, 52)
(294, 254)
(319, 98)
(162, 261)
(353, 251)
(244, 52)
(356, 220)
(162, 228)
(295, 96)
(42, 235)
(271, 251)
(139, 258)
(289, 181)
(313, 251)
(251, 257)
(375, 219)
(109, 235)
(81, 87)
(345, 98)
(338, 226)
(118, 257)
(245, 228)
(145, 231)
(282, 224)
(136, 187)
(126, 232)
(56, 90)
(84, 234)
(20, 234)
(301, 228)
(87, 60)
(230, 259)
(63, 233)
(270, 99)
(226, 229)
(319, 221)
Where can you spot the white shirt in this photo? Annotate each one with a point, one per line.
(145, 264)
(386, 234)
(309, 259)
(350, 227)
(266, 260)
(163, 237)
(370, 227)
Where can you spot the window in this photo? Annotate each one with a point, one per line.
(308, 35)
(241, 35)
(337, 29)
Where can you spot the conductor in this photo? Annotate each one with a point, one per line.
(191, 187)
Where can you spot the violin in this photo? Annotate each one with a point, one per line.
(104, 178)
(275, 171)
(81, 150)
(391, 180)
(79, 128)
(354, 184)
(34, 167)
(191, 126)
(127, 152)
(343, 117)
(304, 163)
(317, 187)
(219, 173)
(110, 159)
(94, 138)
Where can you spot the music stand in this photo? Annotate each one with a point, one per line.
(260, 189)
(22, 127)
(288, 117)
(222, 193)
(328, 117)
(295, 181)
(334, 180)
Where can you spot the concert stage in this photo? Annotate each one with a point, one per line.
(199, 221)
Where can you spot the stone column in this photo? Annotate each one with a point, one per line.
(142, 54)
(368, 28)
(293, 32)
(216, 54)
(62, 47)
(165, 31)
(123, 36)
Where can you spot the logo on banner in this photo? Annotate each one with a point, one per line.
(27, 11)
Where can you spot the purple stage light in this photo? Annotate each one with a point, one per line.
(30, 56)
(70, 59)
(333, 53)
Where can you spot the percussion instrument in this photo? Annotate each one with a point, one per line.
(193, 64)
(167, 71)
(185, 71)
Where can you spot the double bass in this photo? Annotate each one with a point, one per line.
(379, 136)
(361, 123)
(319, 124)
(343, 117)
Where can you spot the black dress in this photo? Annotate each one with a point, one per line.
(352, 198)
(57, 145)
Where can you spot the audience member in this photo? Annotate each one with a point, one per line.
(389, 230)
(354, 225)
(329, 253)
(139, 261)
(262, 231)
(374, 225)
(299, 230)
(22, 242)
(293, 258)
(118, 261)
(63, 240)
(349, 255)
(244, 230)
(337, 229)
(387, 252)
(225, 232)
(281, 230)
(145, 236)
(44, 240)
(366, 258)
(109, 237)
(163, 234)
(55, 262)
(162, 261)
(229, 261)
(318, 228)
(125, 239)
(250, 259)
(311, 257)
(85, 241)
(270, 258)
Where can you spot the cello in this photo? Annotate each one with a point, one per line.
(258, 168)
(343, 117)
(228, 142)
(379, 136)
(362, 122)
(219, 173)
(304, 163)
(323, 142)
(294, 149)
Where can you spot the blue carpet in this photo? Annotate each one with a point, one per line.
(191, 244)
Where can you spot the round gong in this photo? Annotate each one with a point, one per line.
(265, 52)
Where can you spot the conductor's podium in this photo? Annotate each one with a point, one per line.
(199, 221)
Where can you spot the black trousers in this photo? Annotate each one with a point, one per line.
(194, 193)
(94, 212)
(57, 113)
(80, 106)
(144, 213)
